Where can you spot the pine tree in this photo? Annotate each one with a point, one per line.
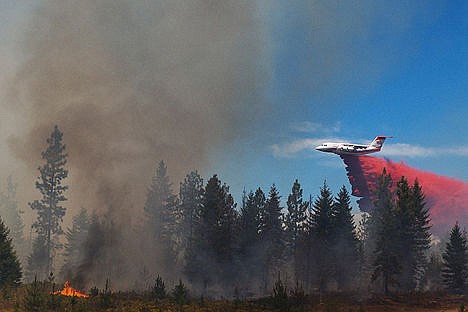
(37, 259)
(404, 239)
(383, 225)
(251, 227)
(216, 234)
(10, 269)
(12, 215)
(49, 209)
(345, 243)
(296, 217)
(161, 209)
(252, 215)
(157, 199)
(413, 237)
(455, 261)
(295, 221)
(190, 196)
(35, 298)
(190, 203)
(76, 237)
(272, 237)
(422, 231)
(321, 229)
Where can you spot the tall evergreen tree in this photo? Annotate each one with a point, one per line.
(12, 215)
(404, 239)
(295, 219)
(413, 237)
(455, 261)
(252, 215)
(75, 238)
(422, 231)
(295, 222)
(10, 269)
(321, 229)
(50, 211)
(157, 200)
(161, 209)
(250, 234)
(191, 194)
(272, 237)
(384, 225)
(216, 234)
(345, 243)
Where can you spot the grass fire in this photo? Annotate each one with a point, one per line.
(70, 291)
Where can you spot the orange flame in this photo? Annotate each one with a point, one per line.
(69, 291)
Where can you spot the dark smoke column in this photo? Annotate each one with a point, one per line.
(446, 198)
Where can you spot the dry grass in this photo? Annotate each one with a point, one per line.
(12, 300)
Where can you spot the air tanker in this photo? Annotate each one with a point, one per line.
(353, 149)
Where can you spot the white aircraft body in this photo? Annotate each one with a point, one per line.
(353, 149)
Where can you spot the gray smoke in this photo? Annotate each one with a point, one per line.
(134, 82)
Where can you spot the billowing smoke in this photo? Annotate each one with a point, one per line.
(133, 82)
(447, 198)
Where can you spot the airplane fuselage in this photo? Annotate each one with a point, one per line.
(352, 149)
(346, 149)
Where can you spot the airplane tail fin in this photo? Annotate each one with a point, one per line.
(379, 141)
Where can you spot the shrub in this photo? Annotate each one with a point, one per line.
(180, 293)
(158, 291)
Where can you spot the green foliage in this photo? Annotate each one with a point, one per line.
(344, 241)
(321, 232)
(295, 228)
(191, 195)
(158, 291)
(216, 235)
(180, 293)
(455, 261)
(295, 219)
(12, 215)
(280, 295)
(49, 210)
(272, 239)
(105, 297)
(161, 209)
(386, 263)
(75, 239)
(10, 268)
(35, 298)
(400, 224)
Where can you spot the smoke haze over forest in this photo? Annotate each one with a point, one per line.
(213, 86)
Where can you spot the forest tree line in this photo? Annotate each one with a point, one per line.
(220, 247)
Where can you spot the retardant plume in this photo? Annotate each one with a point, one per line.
(447, 198)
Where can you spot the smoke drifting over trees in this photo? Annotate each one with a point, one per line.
(117, 76)
(131, 83)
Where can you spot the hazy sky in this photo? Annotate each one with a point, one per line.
(323, 70)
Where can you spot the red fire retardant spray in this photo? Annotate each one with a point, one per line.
(446, 198)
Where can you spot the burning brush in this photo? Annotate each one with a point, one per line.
(69, 291)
